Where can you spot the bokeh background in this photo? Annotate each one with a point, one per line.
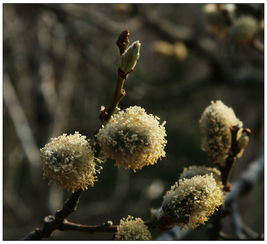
(60, 63)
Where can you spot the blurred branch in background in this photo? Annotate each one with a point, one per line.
(22, 127)
(59, 67)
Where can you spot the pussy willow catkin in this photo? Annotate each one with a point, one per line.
(215, 124)
(133, 138)
(69, 162)
(132, 229)
(191, 201)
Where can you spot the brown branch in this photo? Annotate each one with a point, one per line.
(67, 225)
(51, 222)
(119, 93)
(234, 150)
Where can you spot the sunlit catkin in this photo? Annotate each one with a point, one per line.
(215, 124)
(132, 229)
(133, 138)
(69, 162)
(194, 170)
(191, 201)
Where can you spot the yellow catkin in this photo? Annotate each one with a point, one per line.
(132, 229)
(194, 170)
(133, 138)
(215, 124)
(69, 162)
(191, 201)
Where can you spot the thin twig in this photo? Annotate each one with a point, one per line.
(67, 225)
(234, 150)
(52, 223)
(119, 93)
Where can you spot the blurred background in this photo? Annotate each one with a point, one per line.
(60, 64)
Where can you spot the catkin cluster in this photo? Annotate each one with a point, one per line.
(133, 138)
(69, 161)
(191, 201)
(132, 229)
(215, 124)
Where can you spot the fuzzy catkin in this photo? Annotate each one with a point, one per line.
(132, 229)
(191, 201)
(133, 138)
(69, 162)
(194, 170)
(215, 124)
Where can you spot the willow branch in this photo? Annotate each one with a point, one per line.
(52, 223)
(119, 93)
(58, 221)
(67, 225)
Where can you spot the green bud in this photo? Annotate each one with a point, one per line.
(129, 57)
(243, 30)
(243, 141)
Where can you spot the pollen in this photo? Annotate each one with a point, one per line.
(191, 201)
(215, 124)
(133, 138)
(194, 170)
(68, 161)
(132, 229)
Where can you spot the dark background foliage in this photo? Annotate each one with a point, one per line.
(60, 63)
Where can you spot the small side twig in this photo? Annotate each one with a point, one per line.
(119, 93)
(67, 225)
(234, 150)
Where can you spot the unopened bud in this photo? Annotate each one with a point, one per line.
(243, 141)
(129, 57)
(243, 30)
